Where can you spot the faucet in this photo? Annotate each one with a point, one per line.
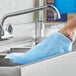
(55, 11)
(26, 11)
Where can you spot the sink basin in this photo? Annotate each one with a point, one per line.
(5, 62)
(61, 65)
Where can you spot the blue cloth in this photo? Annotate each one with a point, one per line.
(54, 44)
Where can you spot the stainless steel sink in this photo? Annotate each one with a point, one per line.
(61, 65)
(6, 62)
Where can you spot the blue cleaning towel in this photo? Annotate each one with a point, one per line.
(54, 44)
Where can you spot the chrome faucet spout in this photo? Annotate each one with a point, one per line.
(55, 11)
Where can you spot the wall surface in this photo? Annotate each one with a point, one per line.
(7, 6)
(18, 22)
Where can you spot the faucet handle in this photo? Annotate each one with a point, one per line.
(9, 28)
